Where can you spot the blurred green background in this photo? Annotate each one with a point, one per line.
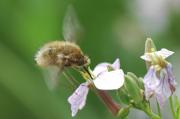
(113, 28)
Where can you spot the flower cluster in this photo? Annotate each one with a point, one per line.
(133, 91)
(159, 81)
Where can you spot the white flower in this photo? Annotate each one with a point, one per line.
(107, 77)
(159, 80)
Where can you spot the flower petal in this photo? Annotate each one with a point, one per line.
(151, 82)
(103, 67)
(110, 80)
(78, 98)
(171, 78)
(163, 91)
(162, 86)
(146, 57)
(164, 53)
(116, 64)
(100, 68)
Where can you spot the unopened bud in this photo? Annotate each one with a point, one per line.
(133, 89)
(123, 112)
(139, 81)
(149, 47)
(124, 96)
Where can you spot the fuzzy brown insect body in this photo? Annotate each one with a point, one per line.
(55, 56)
(61, 54)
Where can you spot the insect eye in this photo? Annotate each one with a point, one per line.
(82, 61)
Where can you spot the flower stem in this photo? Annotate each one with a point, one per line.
(147, 109)
(152, 115)
(113, 106)
(172, 107)
(159, 110)
(177, 103)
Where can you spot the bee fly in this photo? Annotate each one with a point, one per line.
(63, 54)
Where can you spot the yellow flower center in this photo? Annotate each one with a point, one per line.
(158, 61)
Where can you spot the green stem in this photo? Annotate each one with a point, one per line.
(159, 110)
(172, 107)
(147, 109)
(152, 115)
(177, 101)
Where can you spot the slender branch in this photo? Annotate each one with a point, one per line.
(152, 115)
(113, 106)
(172, 107)
(159, 110)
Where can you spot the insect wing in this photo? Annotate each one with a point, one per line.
(52, 75)
(72, 29)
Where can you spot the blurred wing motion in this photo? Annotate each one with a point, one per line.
(52, 75)
(72, 29)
